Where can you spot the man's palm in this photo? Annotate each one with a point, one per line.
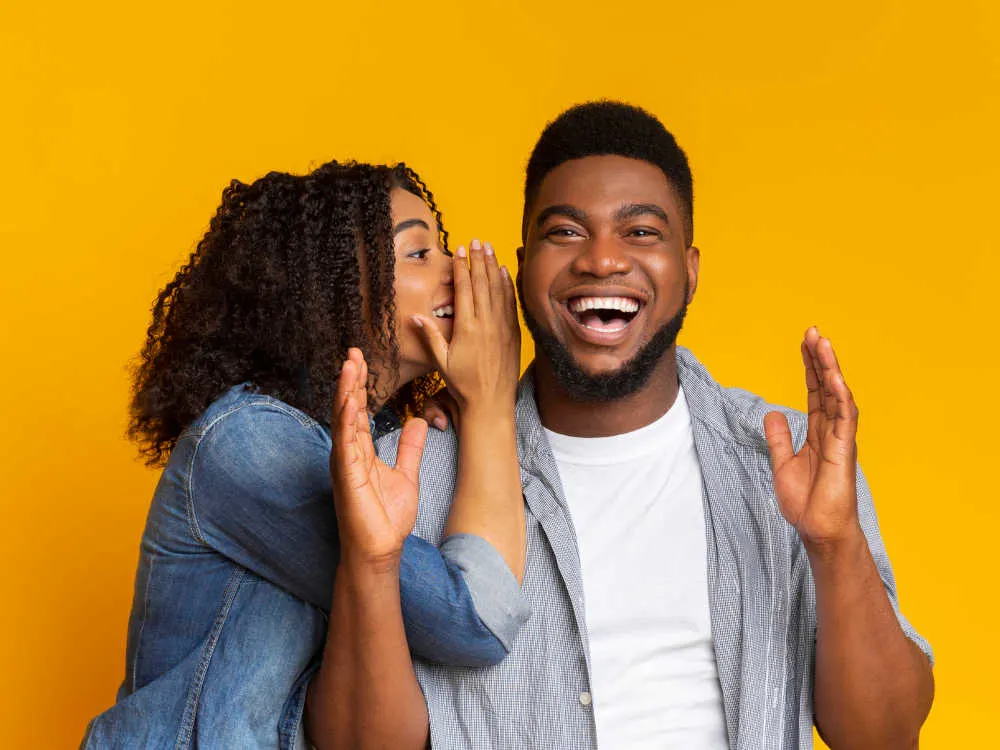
(816, 486)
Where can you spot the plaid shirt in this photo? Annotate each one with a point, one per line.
(761, 592)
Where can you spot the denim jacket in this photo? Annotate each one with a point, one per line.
(236, 575)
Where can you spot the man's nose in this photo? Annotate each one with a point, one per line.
(603, 256)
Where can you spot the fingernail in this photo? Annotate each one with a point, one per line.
(505, 272)
(489, 248)
(461, 251)
(476, 245)
(417, 322)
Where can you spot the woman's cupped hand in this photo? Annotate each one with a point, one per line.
(481, 363)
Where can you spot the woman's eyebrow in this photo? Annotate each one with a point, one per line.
(409, 224)
(632, 210)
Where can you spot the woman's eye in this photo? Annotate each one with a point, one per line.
(419, 254)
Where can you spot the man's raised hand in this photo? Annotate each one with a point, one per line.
(815, 487)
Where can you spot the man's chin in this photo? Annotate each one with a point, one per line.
(600, 365)
(609, 376)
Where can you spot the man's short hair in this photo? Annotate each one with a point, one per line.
(608, 128)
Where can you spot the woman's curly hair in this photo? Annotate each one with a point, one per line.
(272, 296)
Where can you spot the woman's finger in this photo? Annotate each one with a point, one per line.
(465, 309)
(450, 405)
(434, 340)
(434, 413)
(510, 300)
(364, 426)
(480, 280)
(411, 448)
(496, 281)
(345, 455)
(345, 386)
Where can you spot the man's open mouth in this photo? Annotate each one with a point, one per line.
(604, 314)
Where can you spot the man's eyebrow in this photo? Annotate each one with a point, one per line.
(561, 210)
(409, 224)
(632, 210)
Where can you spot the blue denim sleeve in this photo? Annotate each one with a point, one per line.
(260, 494)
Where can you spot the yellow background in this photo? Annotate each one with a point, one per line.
(846, 168)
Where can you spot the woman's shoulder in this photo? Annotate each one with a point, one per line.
(245, 426)
(242, 406)
(249, 445)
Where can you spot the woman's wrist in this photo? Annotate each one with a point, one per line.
(360, 566)
(487, 425)
(488, 410)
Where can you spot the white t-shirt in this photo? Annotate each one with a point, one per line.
(636, 504)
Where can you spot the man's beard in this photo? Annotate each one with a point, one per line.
(608, 386)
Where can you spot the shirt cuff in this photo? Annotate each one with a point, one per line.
(495, 592)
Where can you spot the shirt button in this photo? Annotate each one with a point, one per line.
(585, 699)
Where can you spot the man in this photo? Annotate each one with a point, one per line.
(705, 570)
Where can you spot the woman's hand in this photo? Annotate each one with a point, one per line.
(376, 505)
(439, 409)
(482, 361)
(480, 366)
(367, 673)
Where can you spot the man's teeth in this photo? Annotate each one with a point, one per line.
(447, 311)
(624, 304)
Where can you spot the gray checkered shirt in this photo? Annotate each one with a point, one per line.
(761, 592)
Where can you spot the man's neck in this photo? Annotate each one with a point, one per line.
(566, 416)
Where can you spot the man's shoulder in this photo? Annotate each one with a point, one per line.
(731, 413)
(440, 448)
(438, 471)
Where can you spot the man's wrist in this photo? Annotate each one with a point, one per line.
(838, 552)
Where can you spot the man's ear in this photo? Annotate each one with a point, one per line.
(517, 276)
(692, 259)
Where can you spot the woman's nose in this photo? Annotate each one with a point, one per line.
(448, 271)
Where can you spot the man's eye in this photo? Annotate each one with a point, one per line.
(562, 232)
(644, 232)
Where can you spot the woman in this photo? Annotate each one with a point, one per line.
(234, 387)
